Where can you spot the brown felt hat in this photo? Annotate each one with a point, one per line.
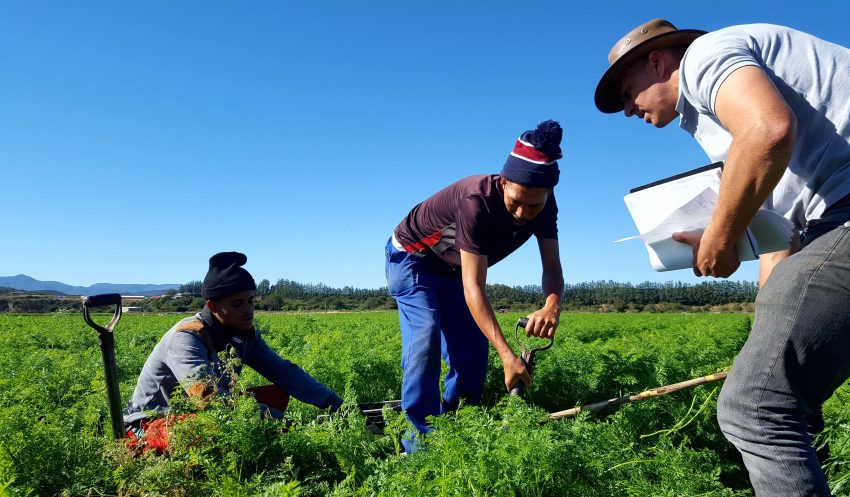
(649, 36)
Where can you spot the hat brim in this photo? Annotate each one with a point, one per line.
(607, 95)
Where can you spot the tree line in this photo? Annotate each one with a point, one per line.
(288, 295)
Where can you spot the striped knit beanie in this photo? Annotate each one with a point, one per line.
(534, 160)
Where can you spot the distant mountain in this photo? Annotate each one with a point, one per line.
(25, 283)
(7, 290)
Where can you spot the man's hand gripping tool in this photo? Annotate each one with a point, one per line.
(527, 354)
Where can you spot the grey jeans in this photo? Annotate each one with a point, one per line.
(797, 354)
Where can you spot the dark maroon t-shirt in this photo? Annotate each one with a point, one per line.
(470, 214)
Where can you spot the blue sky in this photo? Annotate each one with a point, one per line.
(137, 139)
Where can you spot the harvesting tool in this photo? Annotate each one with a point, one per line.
(646, 394)
(527, 354)
(107, 349)
(373, 412)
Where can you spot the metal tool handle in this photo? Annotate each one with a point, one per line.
(519, 385)
(527, 354)
(107, 349)
(522, 323)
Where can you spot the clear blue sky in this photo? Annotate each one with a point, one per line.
(137, 139)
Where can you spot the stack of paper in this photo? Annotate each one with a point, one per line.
(685, 202)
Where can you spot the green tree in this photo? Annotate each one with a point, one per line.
(193, 288)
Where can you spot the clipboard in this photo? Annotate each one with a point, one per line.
(709, 167)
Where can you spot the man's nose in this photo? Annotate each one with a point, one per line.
(629, 109)
(520, 212)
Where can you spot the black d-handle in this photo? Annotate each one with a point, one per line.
(522, 323)
(107, 349)
(527, 354)
(101, 300)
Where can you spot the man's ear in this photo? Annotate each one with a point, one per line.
(503, 181)
(657, 62)
(213, 306)
(661, 63)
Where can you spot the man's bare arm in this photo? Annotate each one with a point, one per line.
(545, 321)
(474, 274)
(763, 130)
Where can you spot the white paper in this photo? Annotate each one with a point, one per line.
(686, 204)
(772, 231)
(651, 206)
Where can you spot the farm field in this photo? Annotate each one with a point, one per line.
(55, 435)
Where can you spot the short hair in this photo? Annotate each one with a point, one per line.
(677, 51)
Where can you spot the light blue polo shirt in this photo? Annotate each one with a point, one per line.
(814, 78)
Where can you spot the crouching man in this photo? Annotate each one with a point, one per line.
(187, 355)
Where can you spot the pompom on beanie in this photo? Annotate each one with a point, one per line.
(534, 160)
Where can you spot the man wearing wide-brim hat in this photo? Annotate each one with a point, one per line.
(773, 103)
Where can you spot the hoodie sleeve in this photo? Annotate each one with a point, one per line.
(288, 376)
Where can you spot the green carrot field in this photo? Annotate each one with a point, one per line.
(55, 436)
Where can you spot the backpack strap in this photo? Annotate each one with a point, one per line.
(197, 327)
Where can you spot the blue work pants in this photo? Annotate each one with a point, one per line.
(435, 322)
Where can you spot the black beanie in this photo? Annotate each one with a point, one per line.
(226, 276)
(534, 160)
